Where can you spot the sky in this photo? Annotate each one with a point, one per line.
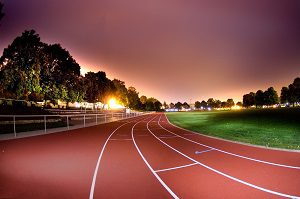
(173, 50)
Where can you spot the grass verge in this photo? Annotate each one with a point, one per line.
(278, 128)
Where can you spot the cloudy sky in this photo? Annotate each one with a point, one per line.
(174, 50)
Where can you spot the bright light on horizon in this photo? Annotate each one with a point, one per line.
(113, 104)
(236, 107)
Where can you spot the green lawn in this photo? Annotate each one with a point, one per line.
(278, 128)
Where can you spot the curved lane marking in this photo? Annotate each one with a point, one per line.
(148, 165)
(224, 174)
(226, 152)
(99, 160)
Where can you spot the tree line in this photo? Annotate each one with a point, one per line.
(290, 96)
(269, 97)
(36, 71)
(210, 103)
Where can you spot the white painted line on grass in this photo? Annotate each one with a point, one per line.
(233, 154)
(148, 165)
(98, 162)
(173, 168)
(224, 174)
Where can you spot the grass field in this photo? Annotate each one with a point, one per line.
(278, 128)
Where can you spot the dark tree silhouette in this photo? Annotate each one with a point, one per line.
(292, 94)
(197, 105)
(259, 98)
(157, 106)
(98, 87)
(185, 105)
(133, 98)
(203, 104)
(270, 97)
(239, 104)
(224, 105)
(211, 102)
(296, 83)
(178, 105)
(249, 100)
(230, 103)
(171, 105)
(284, 96)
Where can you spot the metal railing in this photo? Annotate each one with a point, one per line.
(14, 124)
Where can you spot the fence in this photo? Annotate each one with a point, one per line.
(14, 124)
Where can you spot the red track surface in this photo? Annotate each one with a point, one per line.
(143, 157)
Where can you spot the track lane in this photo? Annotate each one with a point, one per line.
(284, 180)
(122, 172)
(58, 165)
(252, 153)
(293, 179)
(194, 181)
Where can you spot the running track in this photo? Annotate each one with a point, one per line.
(143, 157)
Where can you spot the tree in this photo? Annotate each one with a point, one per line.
(98, 87)
(197, 105)
(133, 98)
(203, 104)
(230, 103)
(224, 104)
(157, 106)
(61, 71)
(217, 104)
(121, 92)
(185, 105)
(153, 104)
(21, 65)
(211, 102)
(296, 84)
(178, 105)
(292, 94)
(172, 105)
(270, 97)
(249, 100)
(259, 98)
(166, 106)
(284, 96)
(143, 99)
(150, 104)
(240, 104)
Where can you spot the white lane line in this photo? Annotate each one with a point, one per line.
(224, 174)
(148, 165)
(199, 152)
(98, 161)
(233, 154)
(173, 168)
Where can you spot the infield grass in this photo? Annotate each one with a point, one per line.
(278, 128)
